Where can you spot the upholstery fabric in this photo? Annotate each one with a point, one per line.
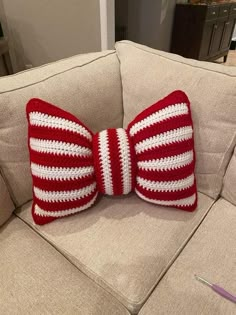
(86, 85)
(70, 165)
(123, 243)
(36, 279)
(211, 254)
(6, 204)
(229, 185)
(148, 75)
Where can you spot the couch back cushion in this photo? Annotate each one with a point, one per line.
(6, 204)
(88, 86)
(148, 75)
(229, 184)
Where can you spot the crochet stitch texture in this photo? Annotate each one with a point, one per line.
(70, 166)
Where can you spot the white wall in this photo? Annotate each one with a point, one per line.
(107, 18)
(41, 31)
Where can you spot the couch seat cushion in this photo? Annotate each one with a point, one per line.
(148, 75)
(123, 243)
(211, 254)
(36, 279)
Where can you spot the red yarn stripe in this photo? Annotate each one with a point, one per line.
(40, 220)
(50, 160)
(167, 175)
(38, 105)
(163, 151)
(167, 195)
(116, 167)
(188, 208)
(45, 133)
(58, 206)
(57, 185)
(171, 99)
(157, 129)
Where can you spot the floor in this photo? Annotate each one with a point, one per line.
(231, 60)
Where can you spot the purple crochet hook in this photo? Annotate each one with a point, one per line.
(218, 289)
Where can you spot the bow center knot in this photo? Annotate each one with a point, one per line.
(113, 155)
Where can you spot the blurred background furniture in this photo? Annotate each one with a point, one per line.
(203, 31)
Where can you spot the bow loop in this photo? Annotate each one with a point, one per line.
(61, 158)
(163, 141)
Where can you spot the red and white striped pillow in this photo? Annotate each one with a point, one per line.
(70, 166)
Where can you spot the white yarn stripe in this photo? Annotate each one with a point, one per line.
(60, 173)
(167, 186)
(62, 213)
(165, 113)
(45, 120)
(180, 202)
(167, 163)
(165, 138)
(58, 147)
(63, 196)
(124, 156)
(104, 158)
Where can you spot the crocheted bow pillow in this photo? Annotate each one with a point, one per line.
(70, 166)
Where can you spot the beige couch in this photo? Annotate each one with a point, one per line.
(123, 256)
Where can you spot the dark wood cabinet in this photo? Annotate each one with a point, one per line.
(203, 32)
